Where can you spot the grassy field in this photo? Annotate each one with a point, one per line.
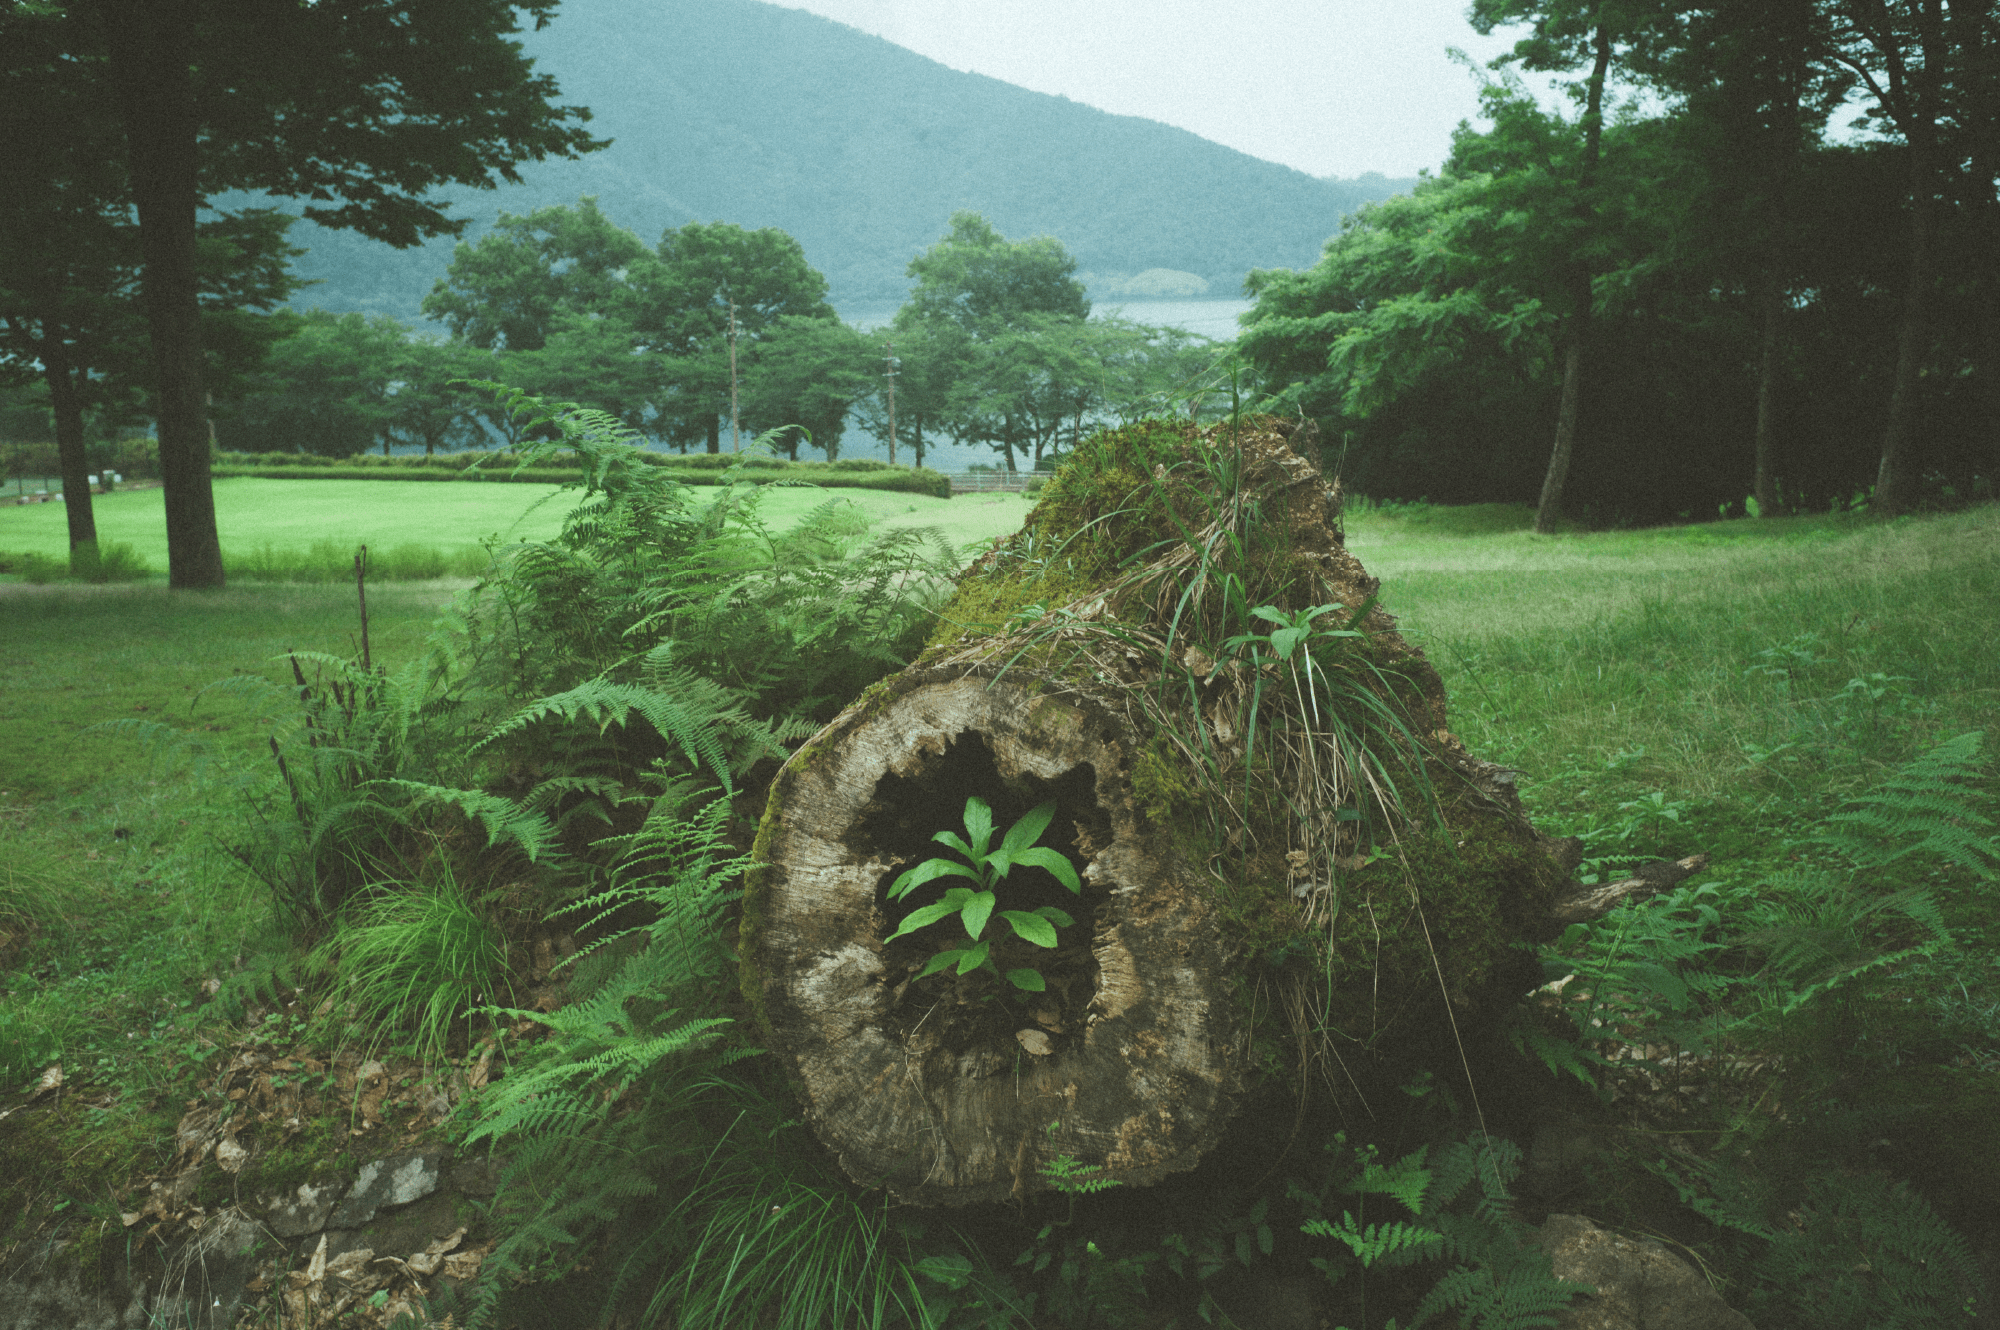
(1714, 688)
(292, 516)
(1752, 670)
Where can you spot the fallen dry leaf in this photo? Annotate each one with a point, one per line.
(445, 1243)
(316, 1268)
(230, 1155)
(463, 1265)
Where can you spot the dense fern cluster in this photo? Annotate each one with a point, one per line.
(1761, 997)
(570, 715)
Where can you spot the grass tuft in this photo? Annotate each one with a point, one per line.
(418, 958)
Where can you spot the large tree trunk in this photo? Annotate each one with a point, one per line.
(1913, 101)
(1548, 512)
(1895, 477)
(151, 45)
(1763, 482)
(66, 405)
(1234, 897)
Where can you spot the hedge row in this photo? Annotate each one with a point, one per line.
(697, 469)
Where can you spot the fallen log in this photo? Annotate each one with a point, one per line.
(1286, 862)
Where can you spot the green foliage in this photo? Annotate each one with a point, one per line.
(117, 562)
(333, 561)
(1928, 807)
(643, 577)
(1496, 1279)
(423, 955)
(635, 1133)
(26, 1047)
(975, 907)
(365, 763)
(1866, 1254)
(1072, 1177)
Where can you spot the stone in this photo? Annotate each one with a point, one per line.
(397, 1180)
(479, 1176)
(304, 1212)
(1640, 1284)
(208, 1276)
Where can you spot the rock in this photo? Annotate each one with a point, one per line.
(1640, 1284)
(213, 1268)
(302, 1213)
(43, 1304)
(397, 1180)
(476, 1177)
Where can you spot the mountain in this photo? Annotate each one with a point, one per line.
(750, 113)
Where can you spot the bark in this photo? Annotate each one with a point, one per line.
(1549, 511)
(1143, 1056)
(1912, 101)
(66, 404)
(1764, 485)
(1895, 478)
(1788, 52)
(150, 42)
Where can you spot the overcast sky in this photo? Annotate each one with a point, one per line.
(1332, 87)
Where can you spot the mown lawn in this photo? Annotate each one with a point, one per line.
(256, 517)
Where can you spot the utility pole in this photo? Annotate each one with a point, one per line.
(735, 441)
(889, 373)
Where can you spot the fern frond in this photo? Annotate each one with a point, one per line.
(503, 819)
(1376, 1242)
(1930, 806)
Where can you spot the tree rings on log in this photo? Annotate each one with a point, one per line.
(1130, 1063)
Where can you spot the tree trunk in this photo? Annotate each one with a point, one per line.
(715, 434)
(150, 42)
(1548, 512)
(1787, 51)
(1764, 484)
(1229, 899)
(1914, 105)
(1895, 478)
(66, 404)
(1132, 1060)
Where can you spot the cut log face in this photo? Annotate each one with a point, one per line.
(952, 1089)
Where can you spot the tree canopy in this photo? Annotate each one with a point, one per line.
(358, 107)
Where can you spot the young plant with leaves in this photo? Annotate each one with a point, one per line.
(975, 906)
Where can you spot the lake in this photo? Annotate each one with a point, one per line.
(1210, 318)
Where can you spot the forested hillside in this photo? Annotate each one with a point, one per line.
(744, 112)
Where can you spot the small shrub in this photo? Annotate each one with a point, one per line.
(419, 956)
(40, 569)
(108, 563)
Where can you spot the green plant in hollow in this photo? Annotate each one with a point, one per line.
(975, 907)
